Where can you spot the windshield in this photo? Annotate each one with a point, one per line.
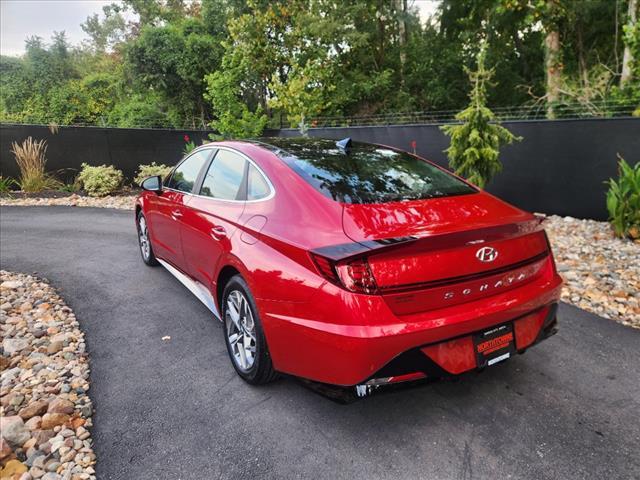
(367, 173)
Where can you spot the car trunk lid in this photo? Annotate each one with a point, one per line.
(446, 245)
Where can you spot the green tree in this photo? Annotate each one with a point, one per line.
(173, 60)
(305, 93)
(107, 32)
(233, 117)
(34, 84)
(475, 142)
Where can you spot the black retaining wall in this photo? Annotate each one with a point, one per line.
(560, 166)
(72, 146)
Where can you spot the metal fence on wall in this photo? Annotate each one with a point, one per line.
(530, 111)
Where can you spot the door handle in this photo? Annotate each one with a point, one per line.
(218, 233)
(176, 214)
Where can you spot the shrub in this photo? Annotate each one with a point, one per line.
(31, 159)
(623, 200)
(70, 187)
(6, 184)
(101, 180)
(145, 171)
(189, 145)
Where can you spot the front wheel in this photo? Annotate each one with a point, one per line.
(244, 336)
(144, 242)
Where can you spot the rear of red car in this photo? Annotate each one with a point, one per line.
(434, 278)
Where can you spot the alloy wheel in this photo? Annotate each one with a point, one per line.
(241, 330)
(143, 237)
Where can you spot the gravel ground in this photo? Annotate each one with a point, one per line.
(122, 202)
(601, 272)
(45, 409)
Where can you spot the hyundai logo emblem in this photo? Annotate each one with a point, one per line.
(487, 254)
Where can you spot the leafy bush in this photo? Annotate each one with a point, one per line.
(31, 159)
(101, 180)
(6, 184)
(189, 145)
(145, 171)
(70, 187)
(623, 200)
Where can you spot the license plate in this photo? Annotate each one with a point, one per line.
(494, 345)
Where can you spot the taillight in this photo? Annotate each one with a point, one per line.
(325, 268)
(354, 275)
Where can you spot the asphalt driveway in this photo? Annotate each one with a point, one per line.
(567, 409)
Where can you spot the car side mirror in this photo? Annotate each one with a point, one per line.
(152, 184)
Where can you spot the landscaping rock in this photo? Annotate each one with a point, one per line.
(13, 468)
(54, 347)
(5, 449)
(601, 272)
(14, 431)
(61, 405)
(11, 284)
(14, 345)
(43, 350)
(38, 407)
(52, 420)
(34, 423)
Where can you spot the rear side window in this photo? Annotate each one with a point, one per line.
(185, 175)
(257, 186)
(224, 179)
(367, 173)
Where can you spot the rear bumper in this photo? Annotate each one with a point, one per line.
(456, 356)
(347, 339)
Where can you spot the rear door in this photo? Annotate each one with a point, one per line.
(167, 210)
(212, 217)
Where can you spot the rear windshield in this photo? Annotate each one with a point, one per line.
(367, 173)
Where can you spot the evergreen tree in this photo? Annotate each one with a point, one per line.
(475, 142)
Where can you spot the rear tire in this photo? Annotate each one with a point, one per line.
(144, 242)
(243, 334)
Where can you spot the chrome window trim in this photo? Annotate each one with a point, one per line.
(272, 190)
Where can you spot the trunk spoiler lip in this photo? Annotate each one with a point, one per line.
(351, 250)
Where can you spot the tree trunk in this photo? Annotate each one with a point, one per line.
(553, 68)
(401, 10)
(552, 57)
(582, 62)
(627, 59)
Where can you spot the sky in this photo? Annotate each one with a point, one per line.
(20, 19)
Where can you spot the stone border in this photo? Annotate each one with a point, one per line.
(121, 202)
(45, 408)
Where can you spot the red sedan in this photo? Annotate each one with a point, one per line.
(348, 263)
